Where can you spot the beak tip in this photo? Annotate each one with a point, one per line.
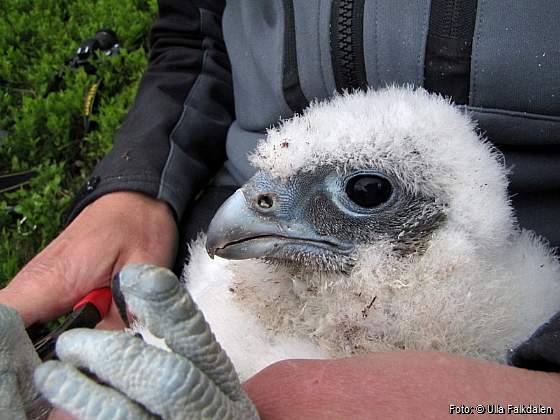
(211, 251)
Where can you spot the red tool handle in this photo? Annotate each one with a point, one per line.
(101, 298)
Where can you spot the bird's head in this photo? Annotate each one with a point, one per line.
(380, 169)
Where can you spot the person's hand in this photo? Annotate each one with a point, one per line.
(397, 385)
(116, 229)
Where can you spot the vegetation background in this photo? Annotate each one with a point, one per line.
(46, 134)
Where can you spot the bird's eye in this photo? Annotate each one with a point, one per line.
(368, 190)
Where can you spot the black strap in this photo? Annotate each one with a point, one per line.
(449, 47)
(293, 94)
(15, 180)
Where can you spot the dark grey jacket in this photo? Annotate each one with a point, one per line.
(500, 59)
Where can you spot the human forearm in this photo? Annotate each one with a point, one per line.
(396, 385)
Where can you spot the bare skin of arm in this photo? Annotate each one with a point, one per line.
(117, 229)
(397, 385)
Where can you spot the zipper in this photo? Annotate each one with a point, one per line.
(347, 52)
(347, 49)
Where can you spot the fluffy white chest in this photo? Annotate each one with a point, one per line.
(450, 299)
(231, 308)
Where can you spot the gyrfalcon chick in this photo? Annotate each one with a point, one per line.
(377, 220)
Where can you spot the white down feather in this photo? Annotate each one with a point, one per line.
(481, 287)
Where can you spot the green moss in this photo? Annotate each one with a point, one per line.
(47, 133)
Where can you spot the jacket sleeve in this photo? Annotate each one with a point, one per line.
(173, 139)
(542, 350)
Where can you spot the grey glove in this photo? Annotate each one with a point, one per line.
(195, 380)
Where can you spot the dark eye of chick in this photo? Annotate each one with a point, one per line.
(368, 190)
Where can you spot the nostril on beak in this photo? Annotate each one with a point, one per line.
(266, 201)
